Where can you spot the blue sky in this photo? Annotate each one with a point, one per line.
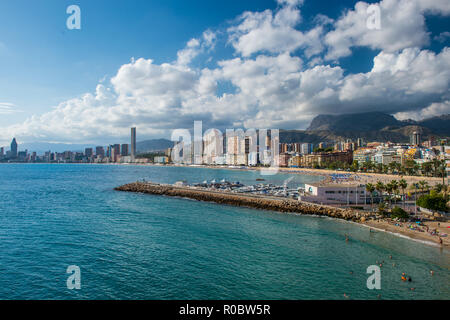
(43, 64)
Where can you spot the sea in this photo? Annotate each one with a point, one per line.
(139, 246)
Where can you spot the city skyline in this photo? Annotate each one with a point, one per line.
(313, 59)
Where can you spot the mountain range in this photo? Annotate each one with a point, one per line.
(371, 126)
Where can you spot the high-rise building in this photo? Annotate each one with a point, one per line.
(100, 151)
(133, 143)
(306, 148)
(14, 148)
(88, 152)
(124, 152)
(415, 138)
(115, 152)
(360, 142)
(2, 152)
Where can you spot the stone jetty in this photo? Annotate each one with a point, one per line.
(246, 200)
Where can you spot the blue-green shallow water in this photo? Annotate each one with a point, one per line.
(134, 246)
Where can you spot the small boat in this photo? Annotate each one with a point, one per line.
(260, 179)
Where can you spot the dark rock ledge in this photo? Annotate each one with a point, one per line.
(246, 200)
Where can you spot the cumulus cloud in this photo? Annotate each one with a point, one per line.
(269, 85)
(196, 46)
(433, 110)
(402, 26)
(274, 32)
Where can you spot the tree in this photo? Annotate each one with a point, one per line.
(403, 185)
(433, 201)
(427, 167)
(355, 166)
(382, 209)
(380, 187)
(379, 167)
(395, 188)
(399, 213)
(370, 188)
(439, 187)
(389, 188)
(437, 167)
(423, 185)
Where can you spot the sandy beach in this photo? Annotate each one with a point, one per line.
(420, 233)
(363, 178)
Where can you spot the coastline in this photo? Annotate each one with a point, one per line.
(366, 219)
(422, 237)
(361, 177)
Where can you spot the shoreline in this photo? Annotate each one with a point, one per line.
(283, 205)
(361, 177)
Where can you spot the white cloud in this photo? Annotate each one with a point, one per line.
(443, 36)
(274, 32)
(434, 109)
(270, 86)
(194, 47)
(402, 26)
(8, 108)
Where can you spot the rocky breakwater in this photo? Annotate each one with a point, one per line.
(246, 200)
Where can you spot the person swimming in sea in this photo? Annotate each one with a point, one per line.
(404, 276)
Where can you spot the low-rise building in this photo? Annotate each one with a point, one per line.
(284, 159)
(321, 158)
(161, 159)
(334, 194)
(295, 161)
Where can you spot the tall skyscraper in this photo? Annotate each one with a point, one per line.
(100, 151)
(88, 152)
(415, 138)
(124, 150)
(133, 143)
(14, 148)
(115, 152)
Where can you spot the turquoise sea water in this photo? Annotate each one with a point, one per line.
(135, 246)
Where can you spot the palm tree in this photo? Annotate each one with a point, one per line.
(426, 168)
(389, 188)
(437, 167)
(370, 188)
(423, 185)
(403, 185)
(395, 186)
(380, 187)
